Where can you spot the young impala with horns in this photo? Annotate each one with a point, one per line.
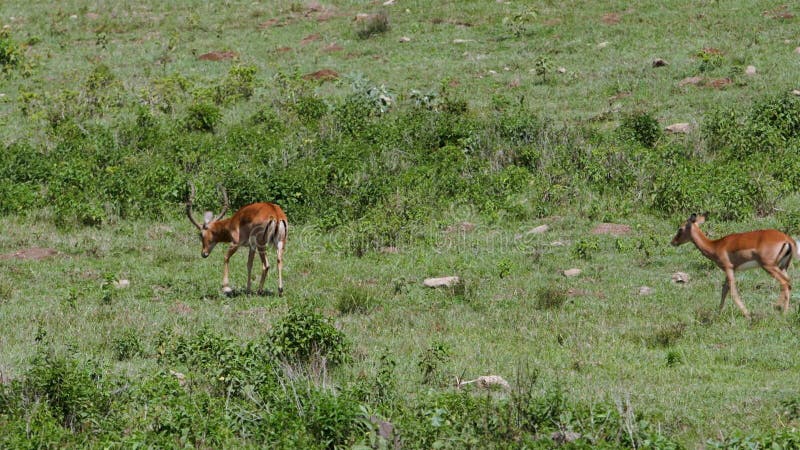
(769, 249)
(256, 225)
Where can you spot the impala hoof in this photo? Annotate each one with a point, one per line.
(280, 292)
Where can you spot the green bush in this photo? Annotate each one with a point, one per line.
(641, 127)
(303, 334)
(126, 345)
(11, 54)
(202, 117)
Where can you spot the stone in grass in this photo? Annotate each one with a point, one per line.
(571, 272)
(442, 282)
(645, 290)
(122, 284)
(680, 277)
(682, 127)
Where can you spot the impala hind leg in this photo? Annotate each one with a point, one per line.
(280, 267)
(726, 288)
(250, 267)
(786, 287)
(264, 269)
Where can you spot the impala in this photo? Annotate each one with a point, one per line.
(769, 249)
(256, 225)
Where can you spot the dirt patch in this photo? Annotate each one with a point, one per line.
(611, 18)
(31, 253)
(781, 12)
(181, 308)
(613, 229)
(322, 75)
(719, 83)
(218, 56)
(334, 47)
(310, 38)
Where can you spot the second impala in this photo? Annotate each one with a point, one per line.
(769, 249)
(257, 226)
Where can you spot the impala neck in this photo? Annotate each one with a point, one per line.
(703, 243)
(221, 230)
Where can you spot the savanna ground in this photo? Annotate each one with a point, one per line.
(408, 158)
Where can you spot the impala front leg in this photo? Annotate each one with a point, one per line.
(731, 281)
(225, 287)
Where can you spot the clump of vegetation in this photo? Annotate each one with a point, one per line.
(641, 127)
(303, 334)
(355, 299)
(667, 335)
(432, 363)
(202, 117)
(11, 54)
(550, 297)
(373, 25)
(126, 345)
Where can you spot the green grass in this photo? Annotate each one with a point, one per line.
(668, 359)
(605, 343)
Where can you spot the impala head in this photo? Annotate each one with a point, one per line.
(206, 230)
(684, 233)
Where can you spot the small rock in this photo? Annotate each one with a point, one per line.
(680, 277)
(405, 39)
(485, 382)
(658, 62)
(556, 244)
(571, 272)
(682, 127)
(795, 91)
(565, 437)
(492, 72)
(388, 3)
(179, 376)
(462, 41)
(441, 282)
(645, 290)
(539, 230)
(561, 70)
(390, 250)
(73, 17)
(750, 70)
(690, 80)
(797, 50)
(602, 44)
(122, 284)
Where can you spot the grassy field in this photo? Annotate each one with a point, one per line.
(589, 354)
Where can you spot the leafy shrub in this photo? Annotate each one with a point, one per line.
(431, 363)
(202, 117)
(303, 334)
(126, 345)
(642, 128)
(239, 84)
(584, 248)
(11, 54)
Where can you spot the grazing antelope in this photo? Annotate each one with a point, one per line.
(256, 225)
(769, 249)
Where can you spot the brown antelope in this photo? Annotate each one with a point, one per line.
(769, 249)
(256, 225)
